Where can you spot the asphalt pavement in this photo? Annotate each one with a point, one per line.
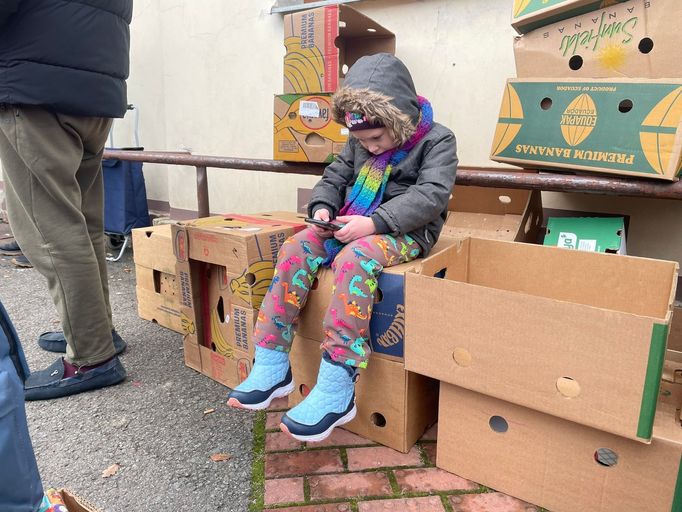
(153, 426)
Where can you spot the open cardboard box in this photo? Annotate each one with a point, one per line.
(322, 43)
(395, 407)
(575, 334)
(529, 15)
(559, 465)
(498, 213)
(629, 127)
(156, 285)
(635, 39)
(226, 260)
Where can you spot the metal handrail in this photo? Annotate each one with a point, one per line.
(466, 175)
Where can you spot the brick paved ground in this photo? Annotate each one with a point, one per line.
(347, 473)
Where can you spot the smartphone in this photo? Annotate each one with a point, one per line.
(324, 224)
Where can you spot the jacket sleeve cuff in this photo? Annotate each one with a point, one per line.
(380, 224)
(320, 206)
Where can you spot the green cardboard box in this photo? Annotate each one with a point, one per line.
(595, 234)
(627, 127)
(528, 15)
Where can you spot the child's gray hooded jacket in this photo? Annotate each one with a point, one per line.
(417, 193)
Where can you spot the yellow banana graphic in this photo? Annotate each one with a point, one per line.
(219, 341)
(519, 6)
(187, 324)
(253, 283)
(303, 67)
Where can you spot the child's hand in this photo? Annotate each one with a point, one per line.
(356, 226)
(322, 214)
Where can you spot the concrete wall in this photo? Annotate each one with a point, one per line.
(204, 73)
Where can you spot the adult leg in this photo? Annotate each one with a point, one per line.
(356, 268)
(298, 262)
(43, 157)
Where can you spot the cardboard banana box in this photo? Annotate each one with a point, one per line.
(626, 127)
(638, 38)
(321, 44)
(304, 130)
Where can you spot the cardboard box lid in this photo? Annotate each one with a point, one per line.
(596, 234)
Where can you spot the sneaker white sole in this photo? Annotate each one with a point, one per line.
(323, 435)
(278, 393)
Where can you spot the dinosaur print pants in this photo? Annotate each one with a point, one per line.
(356, 268)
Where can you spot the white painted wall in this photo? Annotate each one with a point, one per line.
(204, 72)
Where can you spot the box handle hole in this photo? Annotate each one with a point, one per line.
(646, 45)
(575, 62)
(498, 424)
(625, 106)
(378, 419)
(568, 387)
(606, 457)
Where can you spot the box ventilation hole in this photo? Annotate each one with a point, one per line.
(344, 68)
(568, 387)
(546, 103)
(378, 419)
(371, 30)
(504, 199)
(462, 357)
(292, 115)
(646, 45)
(498, 424)
(221, 310)
(575, 62)
(606, 457)
(625, 106)
(314, 139)
(378, 296)
(304, 390)
(250, 278)
(313, 286)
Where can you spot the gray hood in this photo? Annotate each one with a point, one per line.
(380, 87)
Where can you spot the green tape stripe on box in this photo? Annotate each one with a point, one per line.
(652, 381)
(677, 497)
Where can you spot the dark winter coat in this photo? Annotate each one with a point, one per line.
(69, 56)
(417, 192)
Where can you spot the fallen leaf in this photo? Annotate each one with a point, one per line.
(208, 411)
(111, 470)
(219, 457)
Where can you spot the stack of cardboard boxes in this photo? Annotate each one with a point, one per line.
(395, 406)
(321, 44)
(597, 90)
(551, 362)
(224, 267)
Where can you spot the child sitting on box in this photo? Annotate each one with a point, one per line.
(390, 188)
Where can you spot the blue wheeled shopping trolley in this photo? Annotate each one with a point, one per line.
(125, 196)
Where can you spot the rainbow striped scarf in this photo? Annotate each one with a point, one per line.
(368, 189)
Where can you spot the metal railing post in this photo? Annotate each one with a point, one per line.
(202, 191)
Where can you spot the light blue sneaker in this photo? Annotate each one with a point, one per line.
(331, 403)
(270, 378)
